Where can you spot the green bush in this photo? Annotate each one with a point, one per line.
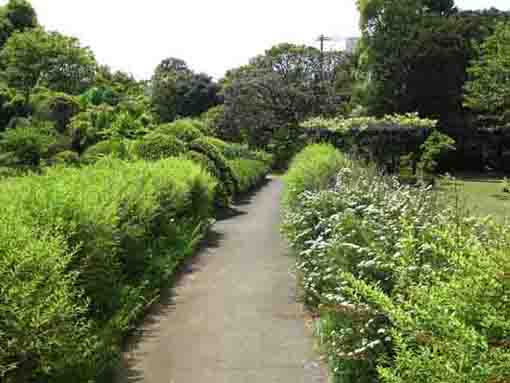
(29, 142)
(222, 196)
(155, 146)
(67, 157)
(434, 150)
(56, 107)
(115, 148)
(83, 252)
(406, 289)
(185, 130)
(248, 173)
(225, 175)
(312, 169)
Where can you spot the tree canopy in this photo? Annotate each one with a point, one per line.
(39, 58)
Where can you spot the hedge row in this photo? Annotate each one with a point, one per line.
(407, 289)
(83, 251)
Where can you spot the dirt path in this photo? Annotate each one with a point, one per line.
(234, 316)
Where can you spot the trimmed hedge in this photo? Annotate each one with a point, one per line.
(405, 288)
(184, 130)
(248, 173)
(83, 252)
(225, 175)
(156, 146)
(108, 148)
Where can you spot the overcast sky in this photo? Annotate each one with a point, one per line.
(211, 36)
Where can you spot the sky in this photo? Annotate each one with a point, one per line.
(211, 36)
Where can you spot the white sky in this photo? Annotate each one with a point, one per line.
(211, 36)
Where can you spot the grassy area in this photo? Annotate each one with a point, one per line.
(482, 194)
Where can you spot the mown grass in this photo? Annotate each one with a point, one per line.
(481, 194)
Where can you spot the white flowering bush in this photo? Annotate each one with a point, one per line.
(406, 288)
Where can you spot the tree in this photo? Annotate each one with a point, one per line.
(58, 62)
(279, 89)
(16, 15)
(488, 89)
(415, 54)
(179, 92)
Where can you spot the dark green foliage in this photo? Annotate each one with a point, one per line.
(435, 148)
(109, 148)
(67, 157)
(16, 15)
(100, 95)
(56, 107)
(36, 57)
(222, 196)
(29, 142)
(184, 130)
(155, 146)
(488, 90)
(225, 174)
(83, 252)
(11, 105)
(179, 92)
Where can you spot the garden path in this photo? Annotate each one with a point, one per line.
(233, 316)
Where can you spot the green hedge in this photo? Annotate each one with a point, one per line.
(83, 252)
(406, 288)
(185, 130)
(156, 146)
(224, 172)
(315, 167)
(248, 173)
(108, 148)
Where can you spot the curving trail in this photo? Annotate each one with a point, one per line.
(233, 317)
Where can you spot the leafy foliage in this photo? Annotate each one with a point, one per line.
(405, 288)
(179, 92)
(109, 148)
(184, 129)
(36, 57)
(83, 251)
(434, 149)
(156, 146)
(488, 91)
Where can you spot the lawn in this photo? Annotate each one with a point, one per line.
(482, 194)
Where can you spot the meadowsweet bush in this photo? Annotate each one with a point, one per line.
(83, 252)
(406, 288)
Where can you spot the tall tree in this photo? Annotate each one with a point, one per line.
(16, 15)
(488, 89)
(179, 92)
(39, 58)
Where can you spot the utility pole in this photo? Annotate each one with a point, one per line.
(321, 39)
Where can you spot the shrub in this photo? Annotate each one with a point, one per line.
(115, 148)
(225, 175)
(29, 142)
(155, 146)
(67, 157)
(405, 288)
(56, 107)
(314, 168)
(248, 173)
(222, 195)
(184, 130)
(434, 149)
(83, 251)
